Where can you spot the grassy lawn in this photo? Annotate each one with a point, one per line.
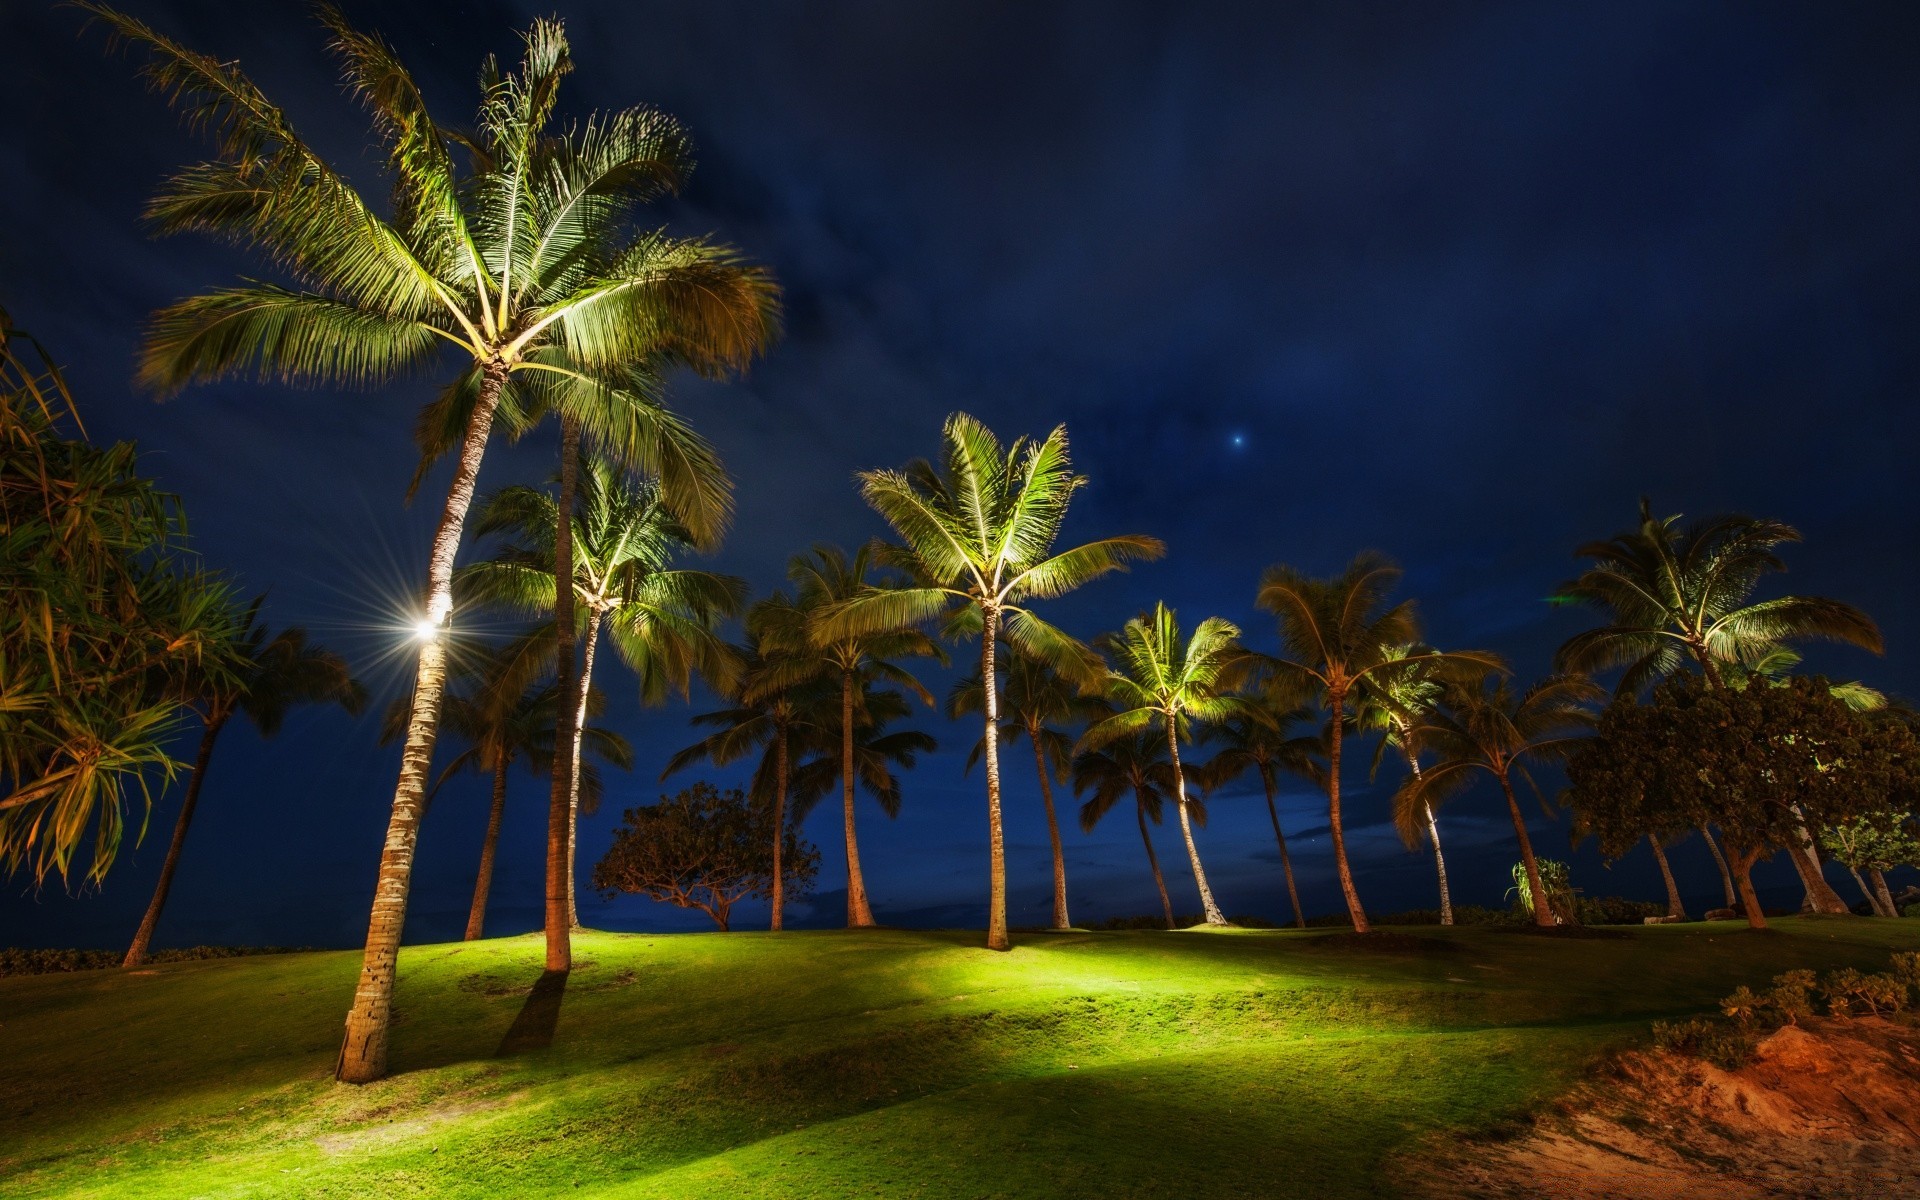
(881, 1063)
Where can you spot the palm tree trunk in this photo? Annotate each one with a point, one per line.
(859, 914)
(1881, 890)
(1820, 894)
(1433, 836)
(1053, 832)
(996, 840)
(779, 825)
(1286, 862)
(1749, 899)
(1153, 860)
(1675, 909)
(143, 937)
(363, 1051)
(483, 882)
(1337, 703)
(1873, 901)
(1542, 906)
(559, 803)
(1726, 873)
(594, 620)
(1207, 905)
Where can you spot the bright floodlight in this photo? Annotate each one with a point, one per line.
(425, 630)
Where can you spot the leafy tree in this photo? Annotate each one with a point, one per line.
(522, 258)
(706, 849)
(662, 620)
(1170, 681)
(1870, 844)
(269, 677)
(1335, 634)
(1263, 745)
(1488, 729)
(1134, 765)
(1754, 762)
(1035, 700)
(979, 531)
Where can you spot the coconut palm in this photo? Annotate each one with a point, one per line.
(1336, 634)
(876, 752)
(1676, 594)
(1486, 727)
(1263, 745)
(274, 675)
(979, 532)
(1166, 680)
(1135, 765)
(525, 262)
(824, 578)
(1035, 700)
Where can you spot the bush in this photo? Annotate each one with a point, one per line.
(1616, 910)
(1747, 1016)
(1725, 1045)
(14, 961)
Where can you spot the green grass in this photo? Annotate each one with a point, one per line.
(879, 1063)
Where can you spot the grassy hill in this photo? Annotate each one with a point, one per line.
(880, 1063)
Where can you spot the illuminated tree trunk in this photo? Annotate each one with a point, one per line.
(1433, 836)
(1806, 860)
(1053, 832)
(1743, 861)
(1675, 909)
(1726, 873)
(1337, 703)
(1207, 905)
(859, 914)
(143, 937)
(1542, 903)
(560, 800)
(1885, 894)
(573, 790)
(363, 1051)
(1153, 860)
(996, 841)
(1873, 901)
(1286, 861)
(779, 824)
(483, 883)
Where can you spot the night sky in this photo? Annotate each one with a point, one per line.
(1457, 282)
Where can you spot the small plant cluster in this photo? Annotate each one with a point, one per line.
(16, 961)
(1747, 1016)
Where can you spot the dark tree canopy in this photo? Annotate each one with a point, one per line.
(703, 848)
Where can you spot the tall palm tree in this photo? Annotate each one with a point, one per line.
(525, 263)
(1263, 745)
(1133, 765)
(1675, 594)
(823, 578)
(1035, 700)
(1167, 680)
(875, 753)
(782, 703)
(1335, 634)
(275, 674)
(978, 533)
(1488, 728)
(662, 620)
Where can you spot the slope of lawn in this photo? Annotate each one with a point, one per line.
(880, 1063)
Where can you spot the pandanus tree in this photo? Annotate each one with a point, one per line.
(1035, 701)
(978, 532)
(855, 659)
(662, 620)
(1678, 594)
(520, 257)
(1134, 765)
(1487, 728)
(1264, 744)
(1171, 681)
(876, 753)
(268, 677)
(1335, 635)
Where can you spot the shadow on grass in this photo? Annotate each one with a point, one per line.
(539, 1017)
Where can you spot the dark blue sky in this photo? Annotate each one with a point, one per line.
(1459, 282)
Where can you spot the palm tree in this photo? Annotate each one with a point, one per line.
(1170, 681)
(662, 621)
(979, 532)
(782, 700)
(824, 578)
(527, 264)
(1035, 699)
(275, 674)
(875, 753)
(1261, 744)
(1135, 764)
(1335, 635)
(1674, 594)
(1482, 728)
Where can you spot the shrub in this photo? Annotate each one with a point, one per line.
(1724, 1045)
(1616, 910)
(15, 961)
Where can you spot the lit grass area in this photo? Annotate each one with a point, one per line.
(880, 1063)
